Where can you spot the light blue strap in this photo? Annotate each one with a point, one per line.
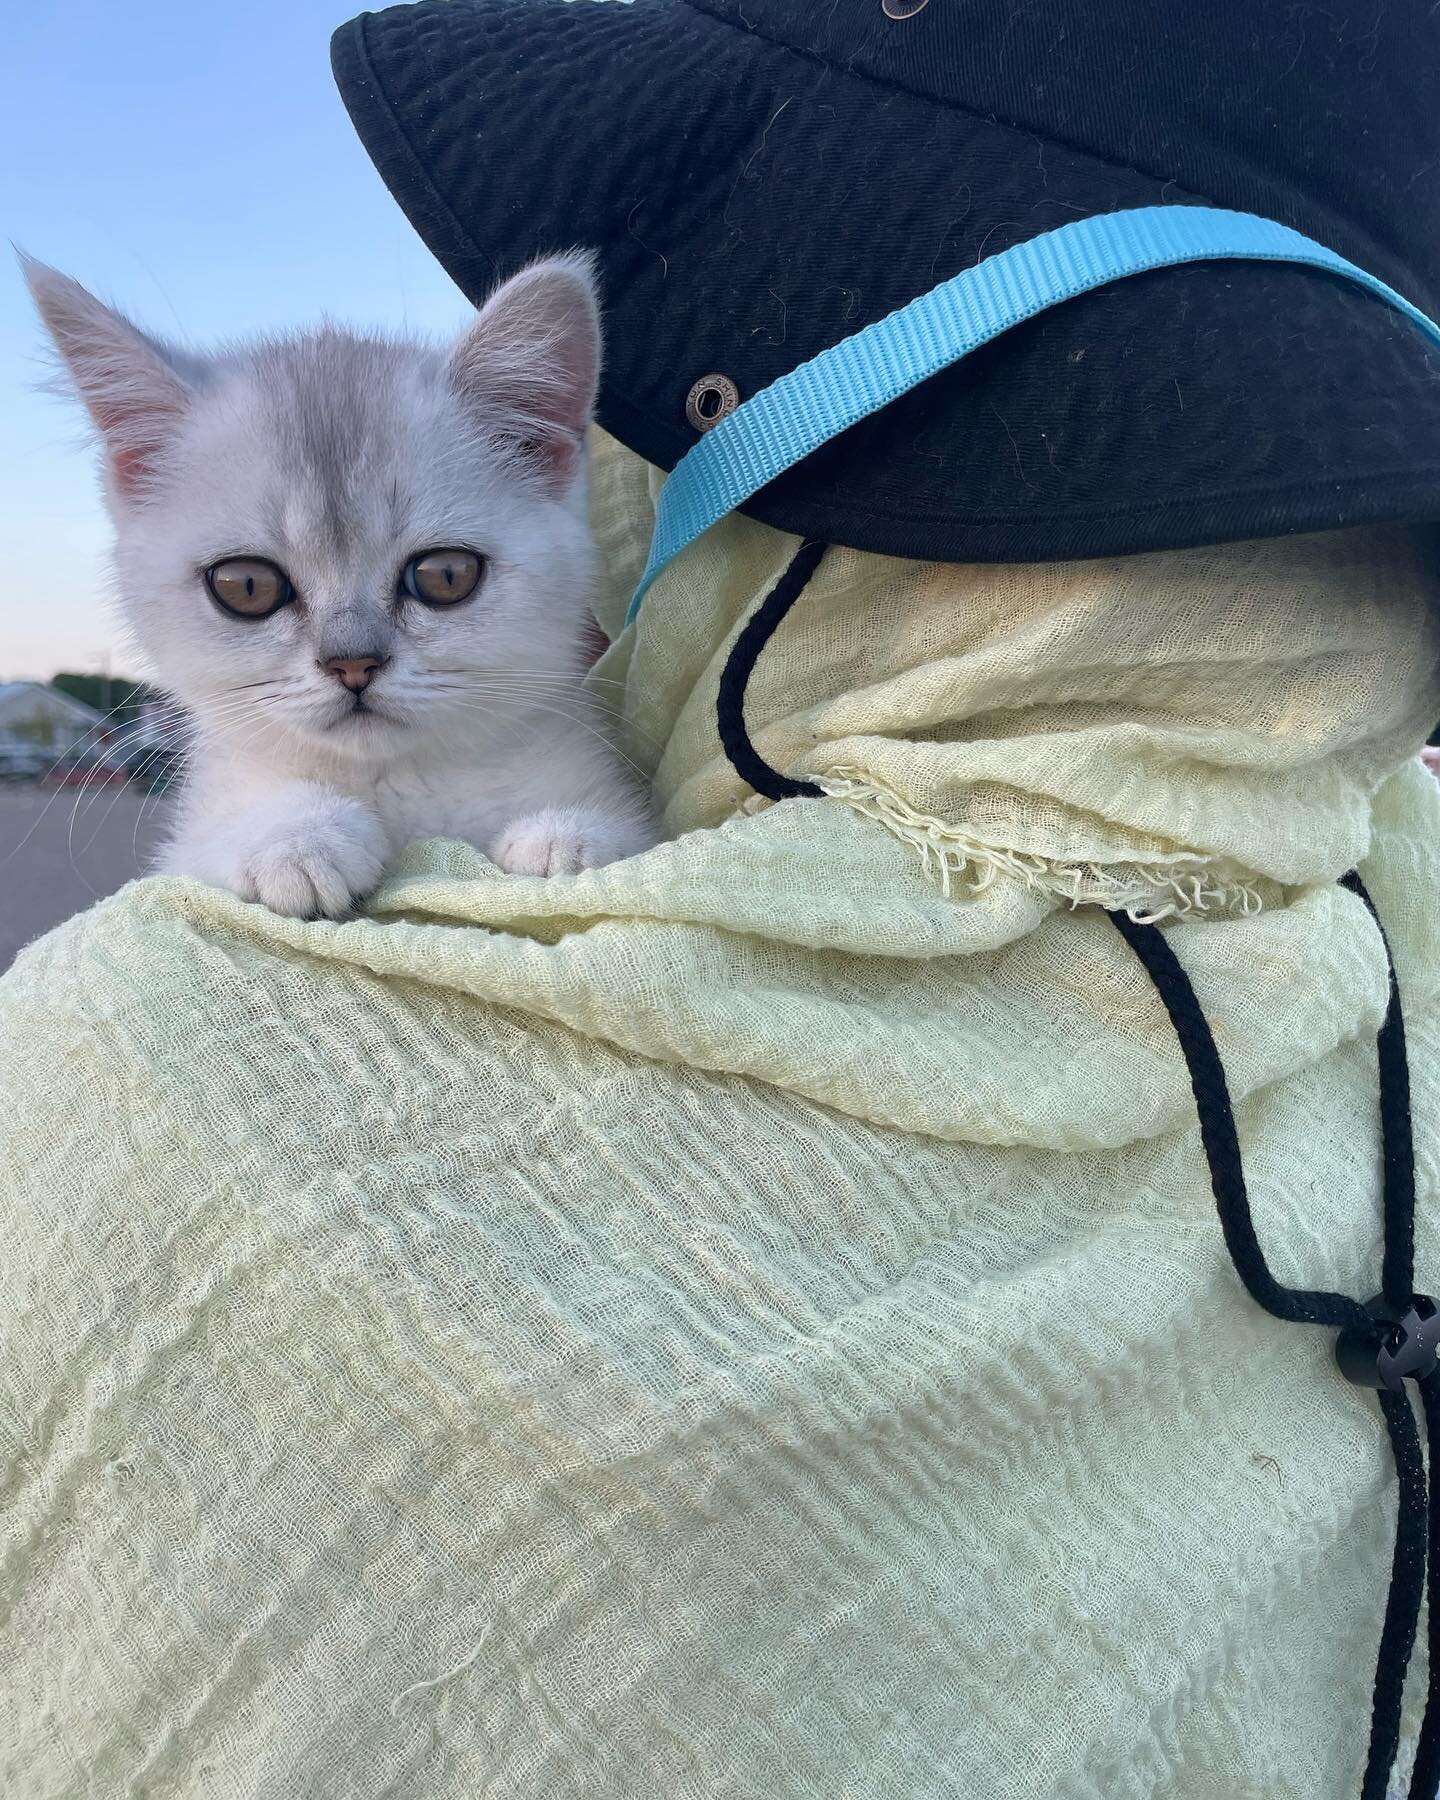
(796, 414)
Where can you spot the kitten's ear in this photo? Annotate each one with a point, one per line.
(133, 388)
(531, 361)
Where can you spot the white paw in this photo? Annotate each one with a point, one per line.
(307, 878)
(308, 864)
(557, 842)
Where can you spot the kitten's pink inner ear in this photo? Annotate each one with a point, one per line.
(531, 361)
(132, 441)
(129, 384)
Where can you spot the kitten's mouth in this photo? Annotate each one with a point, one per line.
(363, 712)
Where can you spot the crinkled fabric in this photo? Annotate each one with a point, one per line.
(749, 1320)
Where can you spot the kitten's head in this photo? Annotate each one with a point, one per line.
(364, 546)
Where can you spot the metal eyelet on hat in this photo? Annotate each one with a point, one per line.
(902, 9)
(712, 398)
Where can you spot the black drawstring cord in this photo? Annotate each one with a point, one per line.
(1426, 1779)
(730, 702)
(1398, 1296)
(1379, 1344)
(1396, 1136)
(1402, 1603)
(1221, 1144)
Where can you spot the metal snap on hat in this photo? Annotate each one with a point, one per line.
(713, 398)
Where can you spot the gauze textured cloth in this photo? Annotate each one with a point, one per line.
(749, 1321)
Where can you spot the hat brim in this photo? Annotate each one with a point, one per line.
(750, 206)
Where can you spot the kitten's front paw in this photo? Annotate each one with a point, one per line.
(307, 864)
(559, 841)
(306, 879)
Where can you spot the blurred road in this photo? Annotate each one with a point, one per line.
(62, 849)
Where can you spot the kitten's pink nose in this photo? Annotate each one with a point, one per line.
(354, 672)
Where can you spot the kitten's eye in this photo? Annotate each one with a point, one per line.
(442, 577)
(249, 586)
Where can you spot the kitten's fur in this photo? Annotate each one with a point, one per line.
(339, 457)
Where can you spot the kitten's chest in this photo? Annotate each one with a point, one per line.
(472, 805)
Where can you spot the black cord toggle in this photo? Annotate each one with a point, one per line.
(1397, 1343)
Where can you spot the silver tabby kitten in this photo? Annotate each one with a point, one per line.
(363, 567)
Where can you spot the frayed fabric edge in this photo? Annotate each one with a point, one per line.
(956, 862)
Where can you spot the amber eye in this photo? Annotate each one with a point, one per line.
(249, 586)
(442, 577)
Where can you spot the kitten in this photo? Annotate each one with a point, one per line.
(363, 568)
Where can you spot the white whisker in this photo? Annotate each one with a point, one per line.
(584, 724)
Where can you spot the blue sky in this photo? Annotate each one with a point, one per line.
(192, 163)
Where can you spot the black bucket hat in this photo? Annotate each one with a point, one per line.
(761, 178)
